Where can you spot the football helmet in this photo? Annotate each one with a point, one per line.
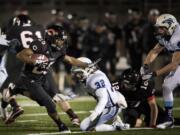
(22, 20)
(168, 21)
(56, 33)
(129, 79)
(39, 46)
(82, 74)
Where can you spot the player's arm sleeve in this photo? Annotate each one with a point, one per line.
(102, 97)
(3, 41)
(74, 62)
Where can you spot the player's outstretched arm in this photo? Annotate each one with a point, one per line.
(153, 54)
(153, 112)
(74, 62)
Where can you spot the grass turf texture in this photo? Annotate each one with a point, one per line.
(35, 120)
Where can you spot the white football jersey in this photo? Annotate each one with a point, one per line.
(174, 43)
(99, 80)
(3, 60)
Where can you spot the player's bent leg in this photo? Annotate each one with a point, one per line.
(105, 127)
(45, 100)
(16, 112)
(62, 127)
(61, 100)
(53, 114)
(168, 87)
(3, 109)
(16, 109)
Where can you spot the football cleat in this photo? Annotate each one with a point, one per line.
(166, 124)
(16, 112)
(63, 128)
(121, 126)
(4, 113)
(75, 121)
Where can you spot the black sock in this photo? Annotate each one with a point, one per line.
(58, 121)
(13, 103)
(71, 114)
(56, 118)
(169, 112)
(4, 104)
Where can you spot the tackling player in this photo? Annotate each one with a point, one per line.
(140, 98)
(168, 36)
(109, 102)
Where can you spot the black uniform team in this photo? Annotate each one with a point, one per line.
(36, 82)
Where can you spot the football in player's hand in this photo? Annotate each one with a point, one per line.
(39, 58)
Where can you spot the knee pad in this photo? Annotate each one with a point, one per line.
(60, 98)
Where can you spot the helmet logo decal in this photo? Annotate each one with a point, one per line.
(34, 47)
(169, 21)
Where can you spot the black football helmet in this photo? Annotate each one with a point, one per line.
(130, 79)
(22, 20)
(54, 34)
(39, 46)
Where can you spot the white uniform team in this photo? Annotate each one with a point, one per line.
(3, 57)
(168, 31)
(3, 72)
(109, 102)
(173, 79)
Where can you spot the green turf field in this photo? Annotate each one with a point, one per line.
(35, 120)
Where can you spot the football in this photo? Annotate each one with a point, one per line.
(39, 57)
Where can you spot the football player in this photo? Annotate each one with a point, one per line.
(140, 98)
(36, 79)
(26, 32)
(5, 47)
(3, 72)
(168, 32)
(109, 102)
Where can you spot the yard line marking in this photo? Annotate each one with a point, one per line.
(80, 132)
(61, 113)
(24, 121)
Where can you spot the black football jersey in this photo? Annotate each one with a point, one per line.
(145, 90)
(25, 35)
(35, 71)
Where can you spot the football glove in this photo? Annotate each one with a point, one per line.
(148, 75)
(145, 69)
